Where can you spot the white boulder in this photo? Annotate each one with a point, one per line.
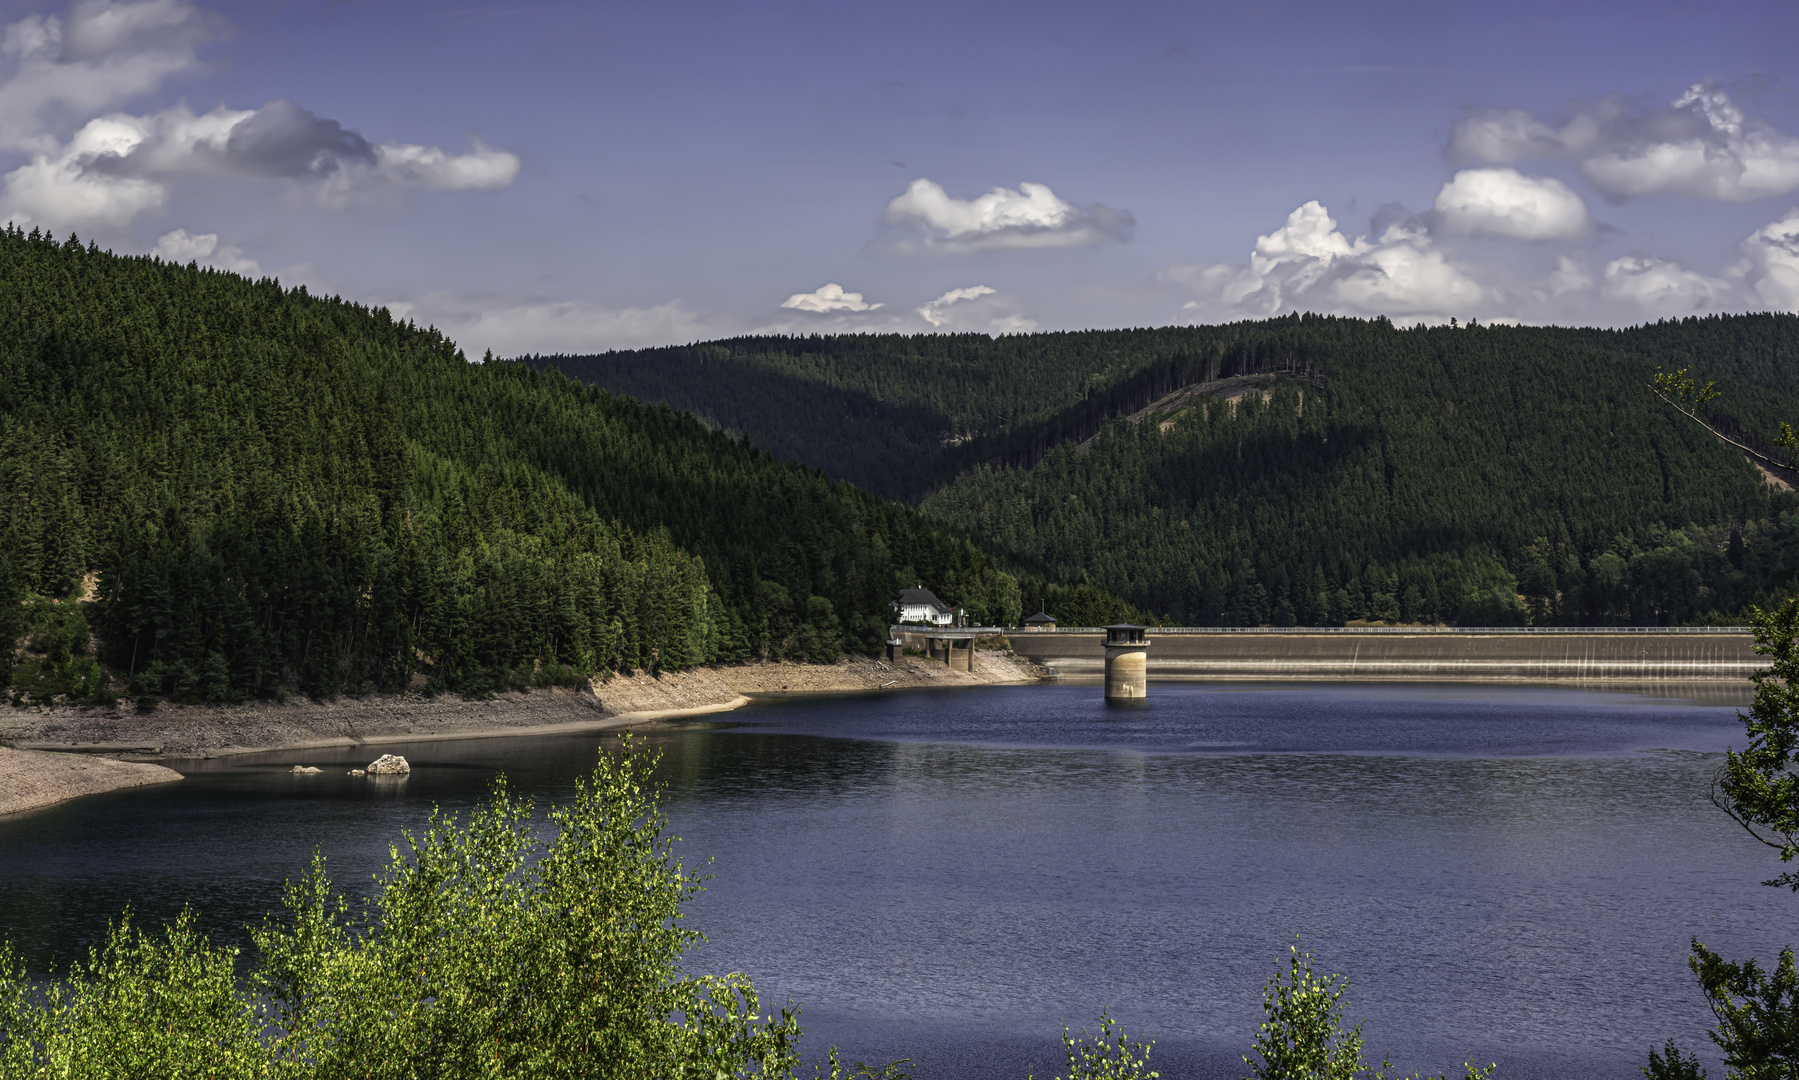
(388, 763)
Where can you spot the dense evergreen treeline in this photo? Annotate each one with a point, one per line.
(1479, 474)
(266, 490)
(1475, 475)
(893, 414)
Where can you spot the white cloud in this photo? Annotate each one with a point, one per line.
(101, 55)
(118, 166)
(1309, 264)
(828, 298)
(514, 326)
(1701, 145)
(1502, 136)
(64, 191)
(1505, 202)
(1771, 262)
(1031, 217)
(181, 246)
(481, 169)
(1660, 288)
(1569, 277)
(979, 308)
(936, 312)
(1636, 287)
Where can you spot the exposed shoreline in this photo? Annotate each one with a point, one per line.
(60, 753)
(32, 779)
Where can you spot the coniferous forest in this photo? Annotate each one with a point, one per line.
(1305, 470)
(267, 492)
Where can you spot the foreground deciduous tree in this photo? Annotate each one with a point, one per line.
(1302, 1036)
(1757, 1011)
(488, 950)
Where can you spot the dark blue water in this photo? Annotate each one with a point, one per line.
(1506, 874)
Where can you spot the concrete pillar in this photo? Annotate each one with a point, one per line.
(1127, 663)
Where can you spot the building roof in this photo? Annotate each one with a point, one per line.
(915, 597)
(1040, 617)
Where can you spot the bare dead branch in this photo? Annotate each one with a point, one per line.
(1784, 466)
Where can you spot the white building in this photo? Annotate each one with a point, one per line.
(920, 606)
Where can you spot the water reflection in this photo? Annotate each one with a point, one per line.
(1506, 872)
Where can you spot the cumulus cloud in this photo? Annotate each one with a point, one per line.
(118, 166)
(980, 308)
(1634, 287)
(481, 169)
(1568, 278)
(1771, 262)
(1505, 202)
(99, 56)
(936, 312)
(181, 246)
(1663, 288)
(1033, 216)
(828, 298)
(1702, 145)
(514, 326)
(1310, 264)
(66, 190)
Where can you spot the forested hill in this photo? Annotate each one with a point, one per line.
(1369, 473)
(278, 492)
(892, 414)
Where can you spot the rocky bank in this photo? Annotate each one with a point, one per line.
(59, 753)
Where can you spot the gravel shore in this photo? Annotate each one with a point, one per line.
(62, 753)
(32, 778)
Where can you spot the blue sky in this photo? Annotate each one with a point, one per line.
(575, 177)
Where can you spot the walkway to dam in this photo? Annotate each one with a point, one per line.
(1553, 654)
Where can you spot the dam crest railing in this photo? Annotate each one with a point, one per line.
(1153, 630)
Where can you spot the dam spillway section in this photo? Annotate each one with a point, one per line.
(1538, 654)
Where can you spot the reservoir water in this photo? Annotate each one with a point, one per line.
(1507, 874)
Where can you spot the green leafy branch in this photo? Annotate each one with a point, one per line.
(1757, 786)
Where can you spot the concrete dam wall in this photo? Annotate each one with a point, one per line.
(1380, 653)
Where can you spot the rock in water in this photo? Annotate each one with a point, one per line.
(306, 769)
(355, 772)
(388, 763)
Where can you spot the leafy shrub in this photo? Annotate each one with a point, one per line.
(57, 660)
(1105, 1056)
(1303, 1038)
(487, 951)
